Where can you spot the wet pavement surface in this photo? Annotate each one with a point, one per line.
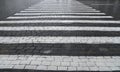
(62, 10)
(8, 8)
(110, 7)
(66, 31)
(61, 49)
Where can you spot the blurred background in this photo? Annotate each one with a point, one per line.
(9, 7)
(110, 7)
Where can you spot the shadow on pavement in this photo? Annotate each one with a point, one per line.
(17, 70)
(61, 49)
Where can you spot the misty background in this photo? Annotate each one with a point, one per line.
(9, 7)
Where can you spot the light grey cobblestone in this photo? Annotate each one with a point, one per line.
(115, 68)
(46, 63)
(21, 58)
(72, 68)
(25, 62)
(58, 59)
(40, 59)
(42, 67)
(74, 64)
(100, 64)
(62, 68)
(91, 64)
(52, 67)
(65, 63)
(15, 62)
(110, 64)
(94, 68)
(30, 67)
(6, 66)
(12, 58)
(32, 58)
(83, 63)
(67, 59)
(117, 64)
(5, 62)
(82, 68)
(1, 62)
(55, 63)
(50, 59)
(35, 62)
(19, 66)
(104, 68)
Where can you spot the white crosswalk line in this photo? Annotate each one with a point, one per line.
(61, 21)
(38, 7)
(59, 39)
(57, 8)
(34, 17)
(59, 28)
(59, 13)
(86, 8)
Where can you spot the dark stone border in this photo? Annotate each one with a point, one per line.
(24, 70)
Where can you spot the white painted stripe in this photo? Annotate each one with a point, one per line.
(39, 7)
(58, 9)
(59, 28)
(60, 39)
(59, 13)
(60, 21)
(57, 63)
(34, 17)
(89, 8)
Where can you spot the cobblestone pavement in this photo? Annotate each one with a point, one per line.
(67, 63)
(60, 35)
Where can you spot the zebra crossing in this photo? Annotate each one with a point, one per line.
(39, 17)
(27, 14)
(60, 35)
(59, 28)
